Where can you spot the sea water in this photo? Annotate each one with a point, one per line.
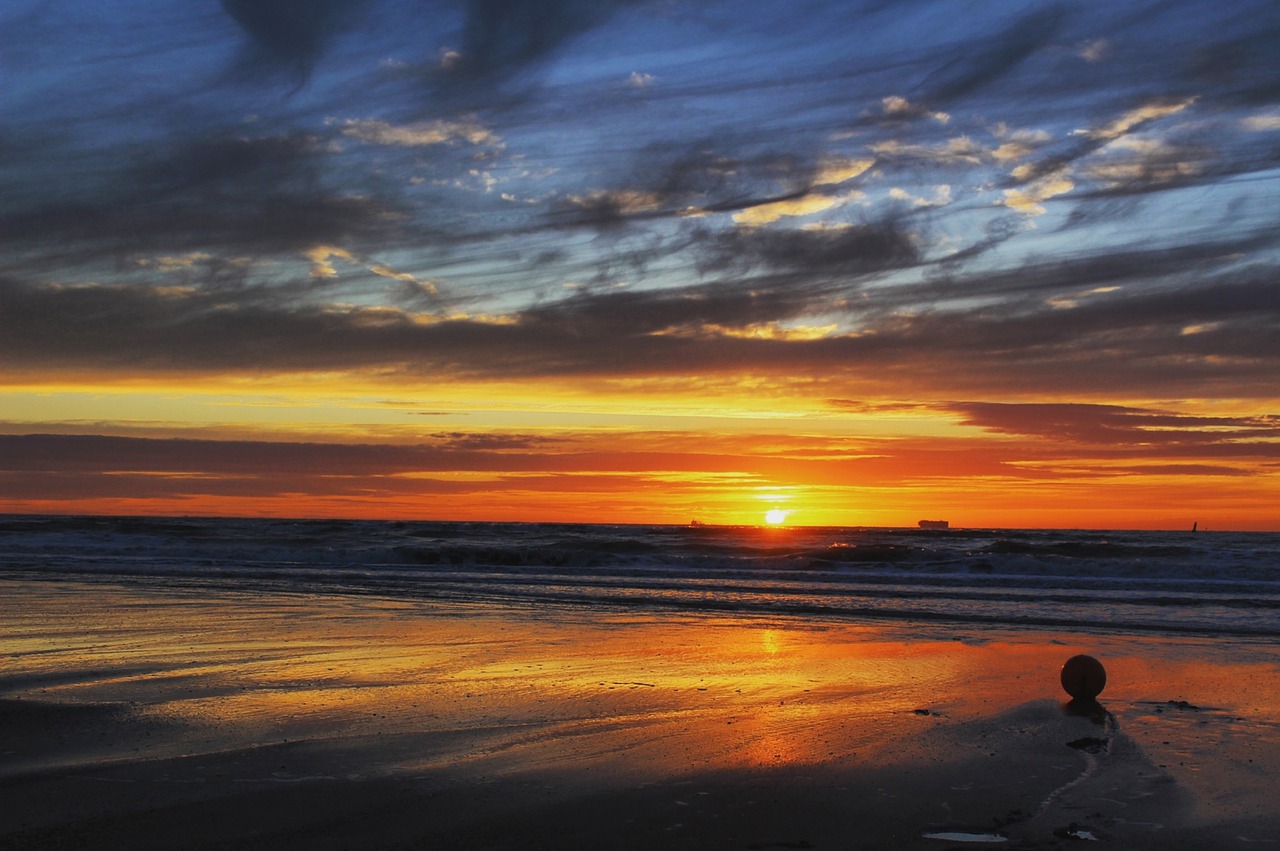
(1209, 583)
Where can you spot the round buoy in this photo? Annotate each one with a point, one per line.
(1084, 677)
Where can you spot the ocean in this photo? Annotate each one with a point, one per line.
(1181, 583)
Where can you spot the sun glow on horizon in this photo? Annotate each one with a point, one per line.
(775, 516)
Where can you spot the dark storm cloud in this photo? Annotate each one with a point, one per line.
(250, 195)
(1218, 329)
(594, 318)
(1211, 336)
(1217, 339)
(855, 250)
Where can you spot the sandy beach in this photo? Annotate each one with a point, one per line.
(137, 717)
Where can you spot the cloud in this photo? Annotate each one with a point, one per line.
(941, 197)
(836, 170)
(1238, 63)
(294, 33)
(1018, 144)
(1263, 123)
(758, 331)
(758, 187)
(857, 249)
(830, 171)
(415, 286)
(603, 206)
(1094, 50)
(990, 332)
(420, 134)
(686, 200)
(165, 217)
(1026, 199)
(503, 37)
(897, 106)
(235, 194)
(1117, 428)
(1145, 165)
(1137, 117)
(982, 62)
(960, 149)
(763, 214)
(320, 257)
(1038, 445)
(1082, 143)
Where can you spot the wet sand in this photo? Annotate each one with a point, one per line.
(140, 717)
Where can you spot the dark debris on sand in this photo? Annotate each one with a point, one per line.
(1090, 744)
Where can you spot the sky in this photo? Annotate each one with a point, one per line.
(1008, 264)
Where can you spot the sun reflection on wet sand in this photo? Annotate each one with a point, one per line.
(412, 690)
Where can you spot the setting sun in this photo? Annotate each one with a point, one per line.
(775, 516)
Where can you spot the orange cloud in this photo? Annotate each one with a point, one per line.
(1108, 466)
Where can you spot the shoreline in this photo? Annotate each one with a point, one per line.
(195, 718)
